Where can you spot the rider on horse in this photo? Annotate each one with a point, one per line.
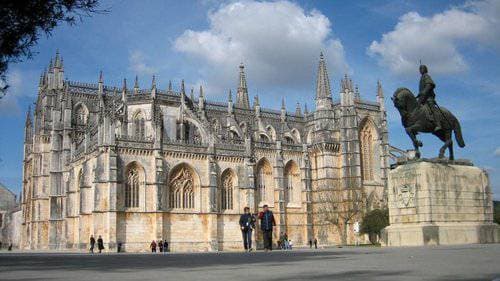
(426, 97)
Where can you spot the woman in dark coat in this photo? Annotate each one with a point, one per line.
(100, 244)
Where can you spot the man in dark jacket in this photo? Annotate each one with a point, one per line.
(247, 224)
(267, 223)
(92, 243)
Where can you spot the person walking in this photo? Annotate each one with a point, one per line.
(92, 243)
(267, 223)
(160, 245)
(153, 246)
(315, 243)
(100, 244)
(310, 243)
(165, 246)
(247, 224)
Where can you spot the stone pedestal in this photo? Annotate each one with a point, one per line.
(439, 203)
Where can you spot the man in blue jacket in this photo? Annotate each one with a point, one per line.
(267, 223)
(247, 224)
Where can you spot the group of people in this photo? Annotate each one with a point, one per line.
(162, 246)
(267, 223)
(284, 243)
(315, 243)
(100, 244)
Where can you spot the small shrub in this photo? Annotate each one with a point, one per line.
(373, 222)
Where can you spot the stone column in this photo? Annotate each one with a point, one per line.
(305, 171)
(279, 196)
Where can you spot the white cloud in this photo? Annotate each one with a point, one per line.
(437, 39)
(279, 43)
(137, 64)
(9, 104)
(497, 152)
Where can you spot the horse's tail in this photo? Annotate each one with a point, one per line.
(458, 134)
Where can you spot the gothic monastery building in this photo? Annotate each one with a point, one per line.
(135, 165)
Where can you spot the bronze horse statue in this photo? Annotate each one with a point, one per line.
(416, 120)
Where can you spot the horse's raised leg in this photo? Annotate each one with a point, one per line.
(416, 143)
(447, 144)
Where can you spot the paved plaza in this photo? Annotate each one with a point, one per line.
(470, 262)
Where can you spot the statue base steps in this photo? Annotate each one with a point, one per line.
(436, 203)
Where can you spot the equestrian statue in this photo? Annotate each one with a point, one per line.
(422, 114)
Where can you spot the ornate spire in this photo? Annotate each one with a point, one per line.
(153, 87)
(136, 85)
(298, 110)
(242, 94)
(170, 85)
(357, 95)
(183, 90)
(323, 92)
(202, 96)
(346, 84)
(230, 102)
(124, 90)
(283, 107)
(380, 91)
(28, 116)
(51, 66)
(192, 94)
(101, 83)
(306, 111)
(256, 100)
(58, 60)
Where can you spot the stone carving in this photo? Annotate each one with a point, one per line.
(406, 196)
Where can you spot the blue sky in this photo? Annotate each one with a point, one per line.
(279, 42)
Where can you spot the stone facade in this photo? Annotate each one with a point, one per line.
(135, 165)
(433, 203)
(9, 218)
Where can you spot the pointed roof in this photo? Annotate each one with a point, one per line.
(380, 91)
(242, 94)
(28, 117)
(201, 92)
(58, 60)
(322, 80)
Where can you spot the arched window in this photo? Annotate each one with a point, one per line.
(292, 182)
(80, 115)
(226, 192)
(264, 138)
(367, 153)
(289, 140)
(181, 185)
(263, 181)
(132, 188)
(139, 126)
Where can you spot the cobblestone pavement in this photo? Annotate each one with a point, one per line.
(469, 262)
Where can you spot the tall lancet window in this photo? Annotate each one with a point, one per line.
(227, 191)
(264, 182)
(139, 126)
(182, 189)
(132, 188)
(367, 153)
(80, 115)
